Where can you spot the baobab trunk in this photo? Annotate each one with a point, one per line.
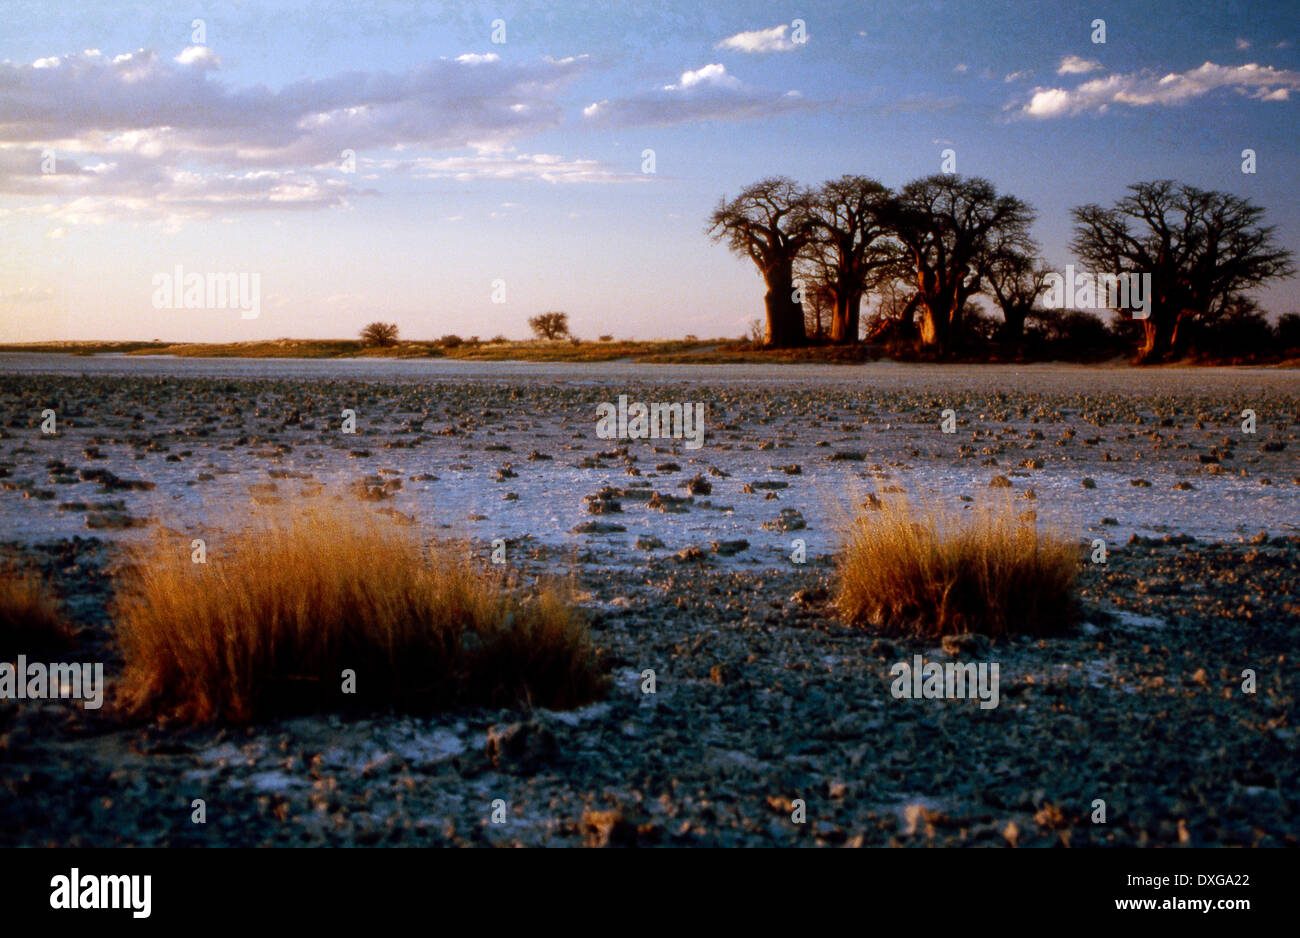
(847, 323)
(936, 311)
(785, 326)
(841, 328)
(936, 323)
(1159, 337)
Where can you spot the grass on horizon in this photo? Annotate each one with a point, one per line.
(282, 608)
(482, 351)
(931, 573)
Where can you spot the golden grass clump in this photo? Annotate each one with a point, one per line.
(30, 623)
(932, 573)
(280, 610)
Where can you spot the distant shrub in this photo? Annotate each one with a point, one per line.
(1076, 333)
(691, 337)
(382, 334)
(552, 325)
(607, 338)
(451, 341)
(498, 340)
(1241, 331)
(979, 326)
(574, 340)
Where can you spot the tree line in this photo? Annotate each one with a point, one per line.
(927, 250)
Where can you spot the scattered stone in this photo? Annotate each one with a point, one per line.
(790, 519)
(520, 747)
(597, 527)
(698, 485)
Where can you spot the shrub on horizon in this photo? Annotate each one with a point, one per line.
(548, 326)
(382, 334)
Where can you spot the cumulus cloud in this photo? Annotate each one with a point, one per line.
(715, 75)
(139, 133)
(706, 93)
(1074, 65)
(1147, 89)
(759, 40)
(201, 56)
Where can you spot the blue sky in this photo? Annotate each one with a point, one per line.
(521, 161)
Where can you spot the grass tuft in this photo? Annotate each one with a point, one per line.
(281, 609)
(30, 623)
(932, 573)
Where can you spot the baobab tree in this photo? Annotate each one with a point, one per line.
(1201, 248)
(1015, 280)
(948, 224)
(768, 222)
(850, 242)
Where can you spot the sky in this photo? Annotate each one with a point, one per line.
(456, 168)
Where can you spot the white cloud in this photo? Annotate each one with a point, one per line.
(89, 103)
(706, 93)
(138, 135)
(715, 75)
(1242, 44)
(198, 55)
(961, 68)
(759, 40)
(546, 167)
(1017, 76)
(1145, 89)
(1074, 65)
